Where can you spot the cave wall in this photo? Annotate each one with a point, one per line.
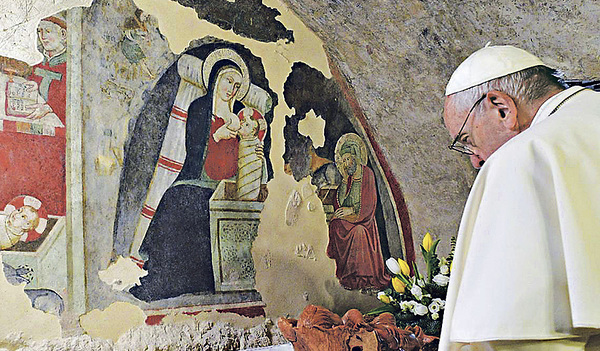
(398, 58)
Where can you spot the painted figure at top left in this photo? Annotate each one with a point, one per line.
(32, 122)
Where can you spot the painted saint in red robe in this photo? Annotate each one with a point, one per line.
(353, 235)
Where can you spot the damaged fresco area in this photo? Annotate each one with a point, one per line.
(363, 214)
(33, 184)
(183, 160)
(183, 156)
(250, 19)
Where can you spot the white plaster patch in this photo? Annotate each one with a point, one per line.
(18, 25)
(201, 335)
(308, 190)
(17, 317)
(123, 274)
(112, 322)
(235, 320)
(313, 126)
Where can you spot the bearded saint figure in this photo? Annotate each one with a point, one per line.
(353, 235)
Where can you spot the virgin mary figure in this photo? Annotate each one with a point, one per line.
(199, 149)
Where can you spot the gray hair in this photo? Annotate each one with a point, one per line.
(523, 87)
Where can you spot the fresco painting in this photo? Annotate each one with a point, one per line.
(364, 217)
(33, 238)
(353, 235)
(215, 153)
(182, 145)
(135, 39)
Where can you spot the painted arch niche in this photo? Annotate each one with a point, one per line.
(367, 217)
(182, 213)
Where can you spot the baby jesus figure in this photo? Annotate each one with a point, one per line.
(23, 220)
(252, 170)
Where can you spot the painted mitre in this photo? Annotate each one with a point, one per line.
(489, 63)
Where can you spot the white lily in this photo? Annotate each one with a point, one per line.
(441, 280)
(420, 309)
(416, 292)
(439, 302)
(434, 307)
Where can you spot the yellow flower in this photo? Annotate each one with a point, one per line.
(427, 242)
(404, 268)
(398, 285)
(384, 298)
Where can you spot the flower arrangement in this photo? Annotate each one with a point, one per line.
(415, 299)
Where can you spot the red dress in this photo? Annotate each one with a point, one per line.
(355, 245)
(221, 158)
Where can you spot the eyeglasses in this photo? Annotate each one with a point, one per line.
(460, 147)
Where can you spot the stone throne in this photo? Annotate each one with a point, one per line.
(233, 228)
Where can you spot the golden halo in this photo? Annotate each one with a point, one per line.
(351, 137)
(231, 55)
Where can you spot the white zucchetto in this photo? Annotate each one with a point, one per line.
(489, 63)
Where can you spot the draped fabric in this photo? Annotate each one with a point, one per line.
(251, 165)
(177, 247)
(221, 157)
(173, 151)
(250, 170)
(526, 265)
(354, 245)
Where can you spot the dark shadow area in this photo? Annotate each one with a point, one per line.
(248, 18)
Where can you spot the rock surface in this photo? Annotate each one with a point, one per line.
(198, 335)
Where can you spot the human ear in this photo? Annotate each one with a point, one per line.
(504, 108)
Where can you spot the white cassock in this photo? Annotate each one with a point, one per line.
(527, 261)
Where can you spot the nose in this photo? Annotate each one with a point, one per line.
(477, 161)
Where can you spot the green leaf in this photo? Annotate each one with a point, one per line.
(434, 246)
(417, 274)
(424, 252)
(406, 317)
(436, 290)
(380, 310)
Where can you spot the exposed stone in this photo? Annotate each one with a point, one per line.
(84, 342)
(194, 335)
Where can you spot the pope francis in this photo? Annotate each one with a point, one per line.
(526, 272)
